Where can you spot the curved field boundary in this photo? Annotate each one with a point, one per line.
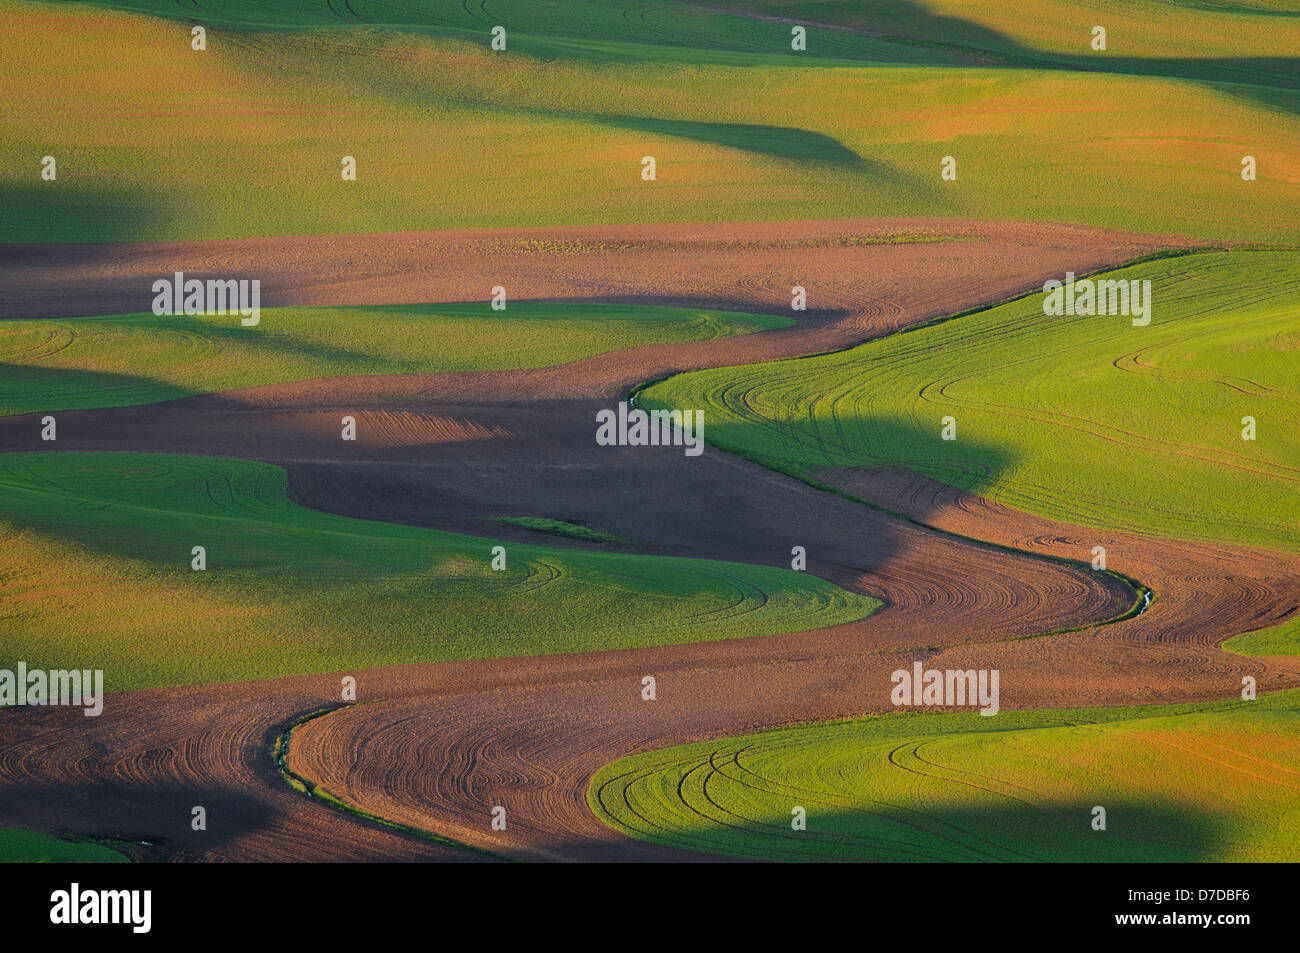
(1152, 438)
(122, 360)
(97, 573)
(281, 754)
(961, 788)
(435, 746)
(1283, 639)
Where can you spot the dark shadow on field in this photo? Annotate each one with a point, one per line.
(782, 142)
(1155, 830)
(53, 389)
(549, 466)
(147, 820)
(122, 780)
(67, 210)
(78, 228)
(710, 506)
(52, 386)
(542, 461)
(73, 287)
(910, 23)
(599, 31)
(43, 389)
(899, 32)
(77, 787)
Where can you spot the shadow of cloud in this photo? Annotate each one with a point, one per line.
(1137, 831)
(802, 444)
(782, 142)
(1254, 78)
(69, 211)
(37, 389)
(543, 462)
(40, 388)
(547, 464)
(120, 781)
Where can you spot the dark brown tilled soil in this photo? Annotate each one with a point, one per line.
(436, 746)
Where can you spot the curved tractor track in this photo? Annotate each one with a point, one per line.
(435, 747)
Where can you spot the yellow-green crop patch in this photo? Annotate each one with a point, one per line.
(157, 142)
(1182, 783)
(96, 572)
(77, 363)
(1281, 639)
(1083, 418)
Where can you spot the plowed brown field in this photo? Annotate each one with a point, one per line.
(437, 746)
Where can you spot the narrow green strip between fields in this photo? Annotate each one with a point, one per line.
(51, 364)
(280, 754)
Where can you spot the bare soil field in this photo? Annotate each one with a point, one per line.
(435, 747)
